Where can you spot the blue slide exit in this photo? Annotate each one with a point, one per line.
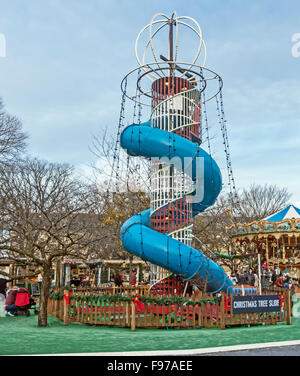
(137, 236)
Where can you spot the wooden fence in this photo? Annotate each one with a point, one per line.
(196, 311)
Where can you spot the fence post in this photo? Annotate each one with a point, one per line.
(126, 314)
(133, 316)
(66, 303)
(56, 305)
(222, 310)
(288, 307)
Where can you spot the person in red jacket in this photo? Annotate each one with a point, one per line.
(280, 281)
(133, 277)
(9, 304)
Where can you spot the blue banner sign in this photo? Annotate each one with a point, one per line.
(255, 304)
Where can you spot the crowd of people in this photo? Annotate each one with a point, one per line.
(271, 276)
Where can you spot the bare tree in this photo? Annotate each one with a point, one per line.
(116, 169)
(119, 207)
(12, 137)
(211, 228)
(46, 214)
(125, 182)
(260, 201)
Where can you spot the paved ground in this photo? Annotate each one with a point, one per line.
(285, 348)
(270, 351)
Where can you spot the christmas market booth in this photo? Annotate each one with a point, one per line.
(93, 273)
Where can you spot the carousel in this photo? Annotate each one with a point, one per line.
(276, 238)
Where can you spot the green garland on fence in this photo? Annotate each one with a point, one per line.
(56, 295)
(101, 298)
(177, 300)
(143, 299)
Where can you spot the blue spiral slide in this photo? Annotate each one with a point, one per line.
(160, 249)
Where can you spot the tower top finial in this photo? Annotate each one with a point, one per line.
(150, 46)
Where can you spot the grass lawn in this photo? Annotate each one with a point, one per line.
(21, 335)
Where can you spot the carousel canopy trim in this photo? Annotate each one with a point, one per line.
(287, 213)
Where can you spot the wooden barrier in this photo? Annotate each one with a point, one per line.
(196, 311)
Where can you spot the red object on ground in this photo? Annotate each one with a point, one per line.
(22, 298)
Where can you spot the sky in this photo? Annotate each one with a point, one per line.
(64, 62)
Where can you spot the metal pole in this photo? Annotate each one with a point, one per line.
(259, 272)
(185, 288)
(171, 42)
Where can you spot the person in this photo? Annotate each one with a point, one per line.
(274, 277)
(269, 274)
(277, 271)
(265, 280)
(279, 281)
(291, 285)
(256, 280)
(242, 278)
(287, 277)
(250, 277)
(118, 279)
(285, 281)
(234, 278)
(85, 281)
(9, 304)
(133, 277)
(3, 283)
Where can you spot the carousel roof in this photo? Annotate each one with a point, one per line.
(287, 213)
